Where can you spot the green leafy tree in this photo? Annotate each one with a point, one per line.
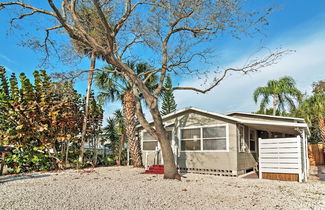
(283, 92)
(168, 105)
(313, 110)
(319, 87)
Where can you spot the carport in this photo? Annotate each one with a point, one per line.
(282, 150)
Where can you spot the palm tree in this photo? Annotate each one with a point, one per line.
(120, 128)
(283, 92)
(115, 131)
(115, 88)
(86, 113)
(313, 110)
(85, 15)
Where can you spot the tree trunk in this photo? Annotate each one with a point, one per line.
(66, 154)
(170, 169)
(275, 104)
(321, 125)
(119, 160)
(129, 114)
(84, 123)
(95, 152)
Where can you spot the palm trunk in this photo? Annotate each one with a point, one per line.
(321, 125)
(129, 114)
(275, 103)
(84, 123)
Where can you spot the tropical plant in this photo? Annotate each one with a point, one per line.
(115, 132)
(283, 92)
(319, 87)
(168, 100)
(269, 111)
(43, 121)
(312, 109)
(113, 87)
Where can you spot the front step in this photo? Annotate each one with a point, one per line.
(155, 169)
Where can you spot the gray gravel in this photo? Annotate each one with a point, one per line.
(128, 188)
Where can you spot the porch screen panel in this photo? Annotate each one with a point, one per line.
(149, 142)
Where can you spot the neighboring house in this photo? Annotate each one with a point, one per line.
(212, 143)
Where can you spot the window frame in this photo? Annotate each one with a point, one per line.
(249, 140)
(226, 125)
(240, 148)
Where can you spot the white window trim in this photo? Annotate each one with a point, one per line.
(239, 143)
(249, 140)
(201, 137)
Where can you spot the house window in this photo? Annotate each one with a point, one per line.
(149, 142)
(241, 138)
(191, 139)
(212, 138)
(252, 140)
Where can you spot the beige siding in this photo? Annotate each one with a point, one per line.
(212, 160)
(202, 160)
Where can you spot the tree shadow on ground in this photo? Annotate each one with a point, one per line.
(11, 178)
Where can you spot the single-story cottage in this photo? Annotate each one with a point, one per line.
(228, 145)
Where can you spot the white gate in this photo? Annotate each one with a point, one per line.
(282, 155)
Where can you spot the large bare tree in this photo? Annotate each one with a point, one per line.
(173, 33)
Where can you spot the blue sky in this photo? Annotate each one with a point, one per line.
(295, 24)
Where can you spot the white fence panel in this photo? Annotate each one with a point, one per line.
(281, 155)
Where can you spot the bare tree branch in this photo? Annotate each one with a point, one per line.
(127, 46)
(27, 6)
(250, 67)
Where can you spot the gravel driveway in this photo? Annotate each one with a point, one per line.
(128, 188)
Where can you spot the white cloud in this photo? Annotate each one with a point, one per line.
(6, 58)
(306, 65)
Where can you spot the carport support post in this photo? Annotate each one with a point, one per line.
(305, 146)
(299, 158)
(259, 159)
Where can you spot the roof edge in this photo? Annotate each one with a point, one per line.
(265, 115)
(198, 110)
